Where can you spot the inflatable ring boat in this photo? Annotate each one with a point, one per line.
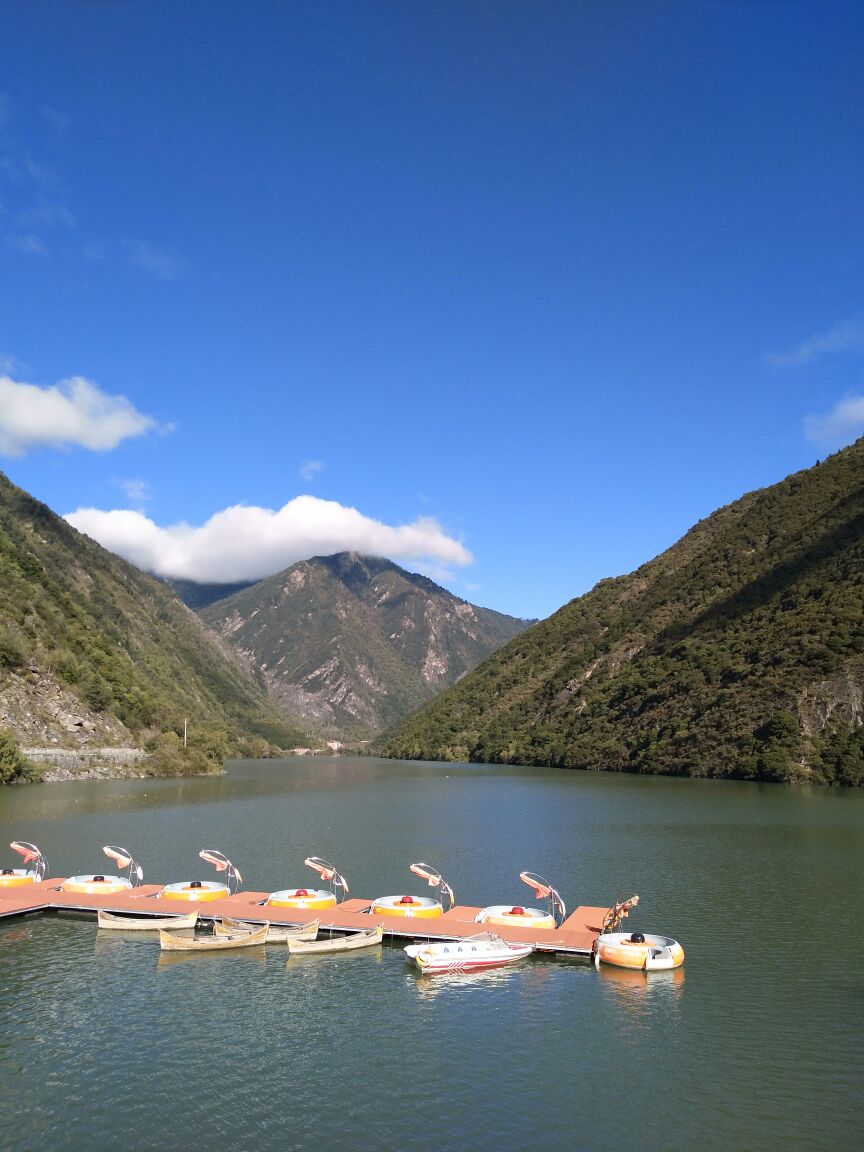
(515, 916)
(301, 898)
(417, 906)
(195, 890)
(637, 950)
(15, 877)
(95, 885)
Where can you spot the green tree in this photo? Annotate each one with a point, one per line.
(13, 766)
(11, 654)
(97, 694)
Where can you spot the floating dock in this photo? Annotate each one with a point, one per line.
(574, 937)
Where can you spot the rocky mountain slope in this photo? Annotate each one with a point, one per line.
(94, 652)
(738, 652)
(354, 643)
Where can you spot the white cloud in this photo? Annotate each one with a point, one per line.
(137, 492)
(310, 469)
(845, 337)
(149, 258)
(843, 424)
(248, 543)
(29, 244)
(46, 215)
(73, 412)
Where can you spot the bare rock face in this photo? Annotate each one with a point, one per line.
(44, 713)
(838, 701)
(354, 643)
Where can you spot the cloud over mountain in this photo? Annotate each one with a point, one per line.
(249, 543)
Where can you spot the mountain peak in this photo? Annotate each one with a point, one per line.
(355, 642)
(92, 650)
(353, 567)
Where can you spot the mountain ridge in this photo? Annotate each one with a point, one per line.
(95, 652)
(737, 652)
(352, 642)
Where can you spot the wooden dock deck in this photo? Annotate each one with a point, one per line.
(574, 937)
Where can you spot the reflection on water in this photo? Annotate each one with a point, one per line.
(229, 955)
(465, 983)
(644, 997)
(643, 985)
(752, 1044)
(10, 936)
(370, 955)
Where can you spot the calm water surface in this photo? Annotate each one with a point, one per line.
(755, 1043)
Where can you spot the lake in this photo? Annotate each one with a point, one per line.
(756, 1043)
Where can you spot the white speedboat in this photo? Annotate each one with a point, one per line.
(473, 954)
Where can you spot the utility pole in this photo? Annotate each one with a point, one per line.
(185, 722)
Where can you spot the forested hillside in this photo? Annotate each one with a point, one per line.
(739, 652)
(92, 650)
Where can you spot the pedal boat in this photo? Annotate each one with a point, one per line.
(515, 916)
(638, 950)
(473, 954)
(421, 907)
(18, 877)
(314, 899)
(196, 890)
(96, 885)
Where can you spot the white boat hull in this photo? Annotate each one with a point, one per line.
(474, 954)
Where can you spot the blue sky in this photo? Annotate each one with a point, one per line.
(512, 292)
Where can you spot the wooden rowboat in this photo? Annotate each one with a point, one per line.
(172, 942)
(367, 938)
(278, 934)
(145, 923)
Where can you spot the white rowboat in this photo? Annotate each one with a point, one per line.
(278, 934)
(368, 938)
(145, 923)
(173, 942)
